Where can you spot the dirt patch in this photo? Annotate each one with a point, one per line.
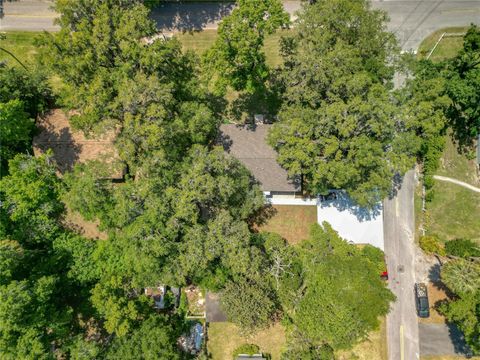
(89, 229)
(436, 294)
(291, 222)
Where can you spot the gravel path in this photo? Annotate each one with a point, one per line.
(458, 182)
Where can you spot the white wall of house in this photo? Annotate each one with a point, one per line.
(354, 224)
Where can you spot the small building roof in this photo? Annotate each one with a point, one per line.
(249, 145)
(70, 146)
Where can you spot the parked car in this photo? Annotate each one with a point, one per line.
(421, 300)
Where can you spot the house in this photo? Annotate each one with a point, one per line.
(71, 146)
(158, 296)
(192, 342)
(248, 144)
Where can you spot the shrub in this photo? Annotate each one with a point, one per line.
(248, 349)
(428, 182)
(431, 245)
(429, 195)
(464, 248)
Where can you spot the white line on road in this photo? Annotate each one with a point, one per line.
(402, 344)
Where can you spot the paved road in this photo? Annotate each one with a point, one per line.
(29, 15)
(399, 225)
(411, 20)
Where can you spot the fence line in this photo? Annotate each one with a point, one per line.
(445, 34)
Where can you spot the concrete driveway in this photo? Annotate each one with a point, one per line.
(441, 339)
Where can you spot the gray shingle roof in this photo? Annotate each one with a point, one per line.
(248, 144)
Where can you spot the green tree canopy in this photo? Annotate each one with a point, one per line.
(237, 59)
(463, 278)
(463, 81)
(156, 338)
(341, 296)
(15, 131)
(39, 301)
(338, 126)
(23, 95)
(115, 76)
(250, 304)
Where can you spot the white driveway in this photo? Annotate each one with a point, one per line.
(353, 223)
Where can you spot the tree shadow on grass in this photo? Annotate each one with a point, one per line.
(261, 217)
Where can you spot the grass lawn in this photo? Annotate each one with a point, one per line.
(454, 212)
(446, 49)
(457, 166)
(291, 222)
(224, 338)
(374, 348)
(200, 41)
(20, 43)
(417, 203)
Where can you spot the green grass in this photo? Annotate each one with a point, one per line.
(200, 41)
(454, 213)
(417, 203)
(457, 165)
(225, 337)
(20, 43)
(446, 49)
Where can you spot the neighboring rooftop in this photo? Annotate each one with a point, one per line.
(248, 144)
(70, 146)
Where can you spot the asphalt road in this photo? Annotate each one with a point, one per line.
(410, 20)
(399, 225)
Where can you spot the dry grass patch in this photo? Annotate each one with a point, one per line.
(374, 348)
(225, 337)
(291, 222)
(88, 229)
